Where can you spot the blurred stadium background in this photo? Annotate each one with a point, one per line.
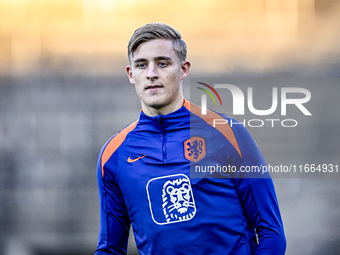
(64, 93)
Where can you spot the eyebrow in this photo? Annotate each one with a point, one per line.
(156, 59)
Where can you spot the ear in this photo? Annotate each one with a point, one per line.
(185, 69)
(128, 70)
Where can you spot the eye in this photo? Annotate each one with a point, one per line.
(163, 64)
(141, 65)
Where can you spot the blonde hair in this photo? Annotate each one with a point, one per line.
(157, 30)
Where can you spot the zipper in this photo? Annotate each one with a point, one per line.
(160, 123)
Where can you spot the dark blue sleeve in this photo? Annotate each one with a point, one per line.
(114, 220)
(257, 193)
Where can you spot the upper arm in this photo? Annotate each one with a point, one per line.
(258, 196)
(114, 219)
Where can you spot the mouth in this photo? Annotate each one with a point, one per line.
(153, 87)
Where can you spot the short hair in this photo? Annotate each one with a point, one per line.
(157, 30)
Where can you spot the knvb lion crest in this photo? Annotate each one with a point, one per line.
(171, 199)
(178, 200)
(195, 148)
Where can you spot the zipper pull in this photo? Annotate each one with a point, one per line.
(159, 119)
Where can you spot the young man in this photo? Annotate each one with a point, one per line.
(144, 170)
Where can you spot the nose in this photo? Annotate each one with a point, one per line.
(152, 72)
(179, 196)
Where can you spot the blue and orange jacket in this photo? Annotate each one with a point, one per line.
(152, 175)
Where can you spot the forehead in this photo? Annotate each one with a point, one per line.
(155, 48)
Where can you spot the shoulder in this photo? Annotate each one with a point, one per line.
(219, 122)
(114, 143)
(232, 129)
(246, 142)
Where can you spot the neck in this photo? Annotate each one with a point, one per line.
(173, 106)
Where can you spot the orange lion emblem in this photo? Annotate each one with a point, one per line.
(194, 148)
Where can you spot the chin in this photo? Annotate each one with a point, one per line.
(156, 105)
(156, 102)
